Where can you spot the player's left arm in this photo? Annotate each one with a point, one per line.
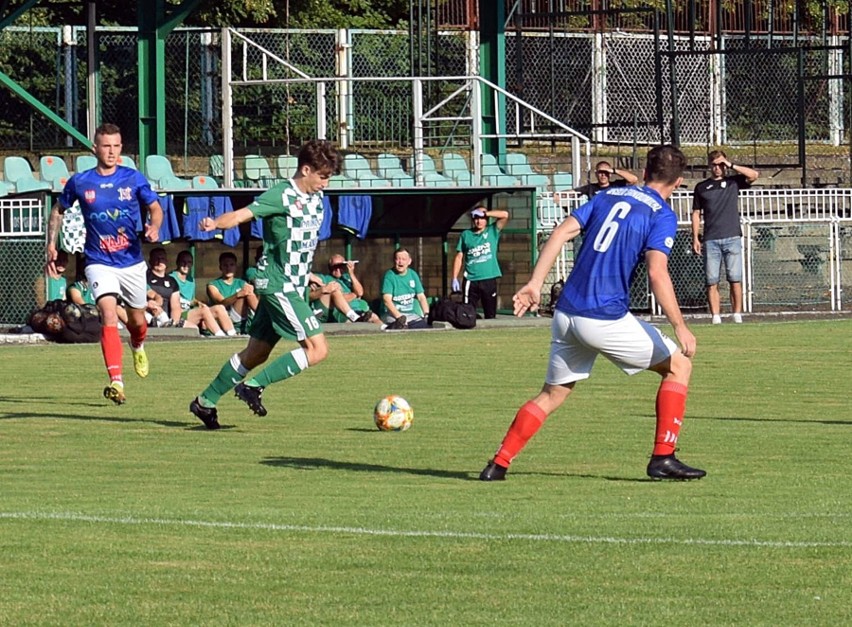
(424, 303)
(501, 217)
(661, 286)
(155, 214)
(54, 222)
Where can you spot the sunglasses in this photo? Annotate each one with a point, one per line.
(605, 172)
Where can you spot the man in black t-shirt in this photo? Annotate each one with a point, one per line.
(603, 177)
(163, 291)
(716, 200)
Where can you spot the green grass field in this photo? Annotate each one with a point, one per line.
(137, 515)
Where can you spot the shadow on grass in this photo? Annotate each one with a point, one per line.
(316, 463)
(188, 425)
(804, 421)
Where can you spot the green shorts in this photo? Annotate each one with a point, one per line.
(285, 315)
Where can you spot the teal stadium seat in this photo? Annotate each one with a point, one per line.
(5, 189)
(127, 162)
(216, 166)
(18, 172)
(356, 167)
(492, 173)
(85, 162)
(286, 166)
(158, 167)
(172, 183)
(455, 167)
(257, 172)
(53, 170)
(389, 167)
(340, 181)
(431, 177)
(519, 166)
(204, 182)
(563, 181)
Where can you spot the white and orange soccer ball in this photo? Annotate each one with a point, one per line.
(393, 413)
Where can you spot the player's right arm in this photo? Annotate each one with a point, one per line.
(226, 220)
(528, 297)
(54, 222)
(661, 286)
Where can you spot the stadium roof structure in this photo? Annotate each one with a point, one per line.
(397, 211)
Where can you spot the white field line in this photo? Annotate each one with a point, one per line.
(401, 533)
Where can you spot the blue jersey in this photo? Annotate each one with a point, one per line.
(111, 213)
(619, 227)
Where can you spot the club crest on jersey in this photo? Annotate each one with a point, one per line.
(89, 195)
(124, 193)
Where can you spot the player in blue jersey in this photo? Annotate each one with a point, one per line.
(621, 227)
(111, 197)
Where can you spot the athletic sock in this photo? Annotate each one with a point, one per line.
(671, 405)
(138, 335)
(527, 422)
(229, 376)
(352, 315)
(111, 349)
(284, 367)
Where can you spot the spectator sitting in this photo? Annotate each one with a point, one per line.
(234, 294)
(194, 313)
(52, 286)
(251, 273)
(80, 294)
(336, 297)
(404, 302)
(163, 296)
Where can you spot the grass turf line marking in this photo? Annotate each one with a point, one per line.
(460, 535)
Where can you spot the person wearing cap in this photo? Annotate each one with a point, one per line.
(603, 179)
(477, 252)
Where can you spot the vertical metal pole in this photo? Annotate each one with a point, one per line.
(801, 110)
(417, 130)
(93, 96)
(672, 72)
(322, 124)
(227, 110)
(69, 47)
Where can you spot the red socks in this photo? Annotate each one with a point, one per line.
(111, 348)
(527, 422)
(671, 405)
(138, 335)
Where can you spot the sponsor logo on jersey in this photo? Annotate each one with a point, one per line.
(106, 186)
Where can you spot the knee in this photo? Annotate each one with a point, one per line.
(316, 353)
(680, 368)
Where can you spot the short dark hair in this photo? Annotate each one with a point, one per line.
(107, 129)
(715, 154)
(156, 249)
(185, 251)
(665, 164)
(227, 255)
(321, 155)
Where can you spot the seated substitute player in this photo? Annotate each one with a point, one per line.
(194, 314)
(620, 227)
(404, 302)
(292, 213)
(163, 295)
(337, 296)
(233, 293)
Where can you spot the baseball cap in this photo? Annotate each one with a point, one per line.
(477, 213)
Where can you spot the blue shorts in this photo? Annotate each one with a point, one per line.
(729, 249)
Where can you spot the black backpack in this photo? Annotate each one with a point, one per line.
(460, 315)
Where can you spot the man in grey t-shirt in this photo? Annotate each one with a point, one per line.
(716, 199)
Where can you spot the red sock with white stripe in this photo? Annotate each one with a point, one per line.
(671, 405)
(527, 422)
(111, 348)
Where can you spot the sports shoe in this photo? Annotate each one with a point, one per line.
(670, 467)
(140, 361)
(399, 323)
(738, 318)
(115, 393)
(250, 395)
(493, 472)
(717, 319)
(208, 415)
(365, 316)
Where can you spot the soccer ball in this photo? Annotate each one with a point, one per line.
(393, 413)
